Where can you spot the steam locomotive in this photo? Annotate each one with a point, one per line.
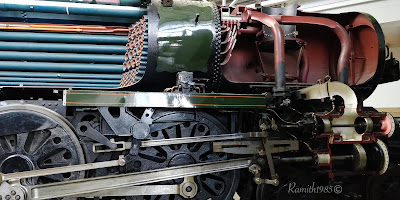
(177, 99)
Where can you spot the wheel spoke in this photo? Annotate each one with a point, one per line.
(21, 139)
(7, 143)
(55, 147)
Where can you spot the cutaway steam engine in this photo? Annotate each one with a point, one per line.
(179, 99)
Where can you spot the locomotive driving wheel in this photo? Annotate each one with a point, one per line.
(33, 137)
(168, 125)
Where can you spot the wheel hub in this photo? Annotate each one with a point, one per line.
(181, 159)
(16, 163)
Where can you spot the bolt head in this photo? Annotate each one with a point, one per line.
(121, 162)
(8, 197)
(13, 192)
(17, 197)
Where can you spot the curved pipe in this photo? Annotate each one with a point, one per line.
(249, 30)
(279, 46)
(345, 43)
(305, 66)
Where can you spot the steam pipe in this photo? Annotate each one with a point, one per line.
(59, 75)
(279, 47)
(345, 43)
(63, 38)
(60, 47)
(72, 8)
(61, 57)
(305, 66)
(60, 67)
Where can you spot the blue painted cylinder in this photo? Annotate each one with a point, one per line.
(59, 85)
(60, 75)
(66, 48)
(58, 80)
(121, 2)
(63, 38)
(72, 8)
(61, 57)
(60, 67)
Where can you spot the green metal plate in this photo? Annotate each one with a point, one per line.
(183, 43)
(162, 99)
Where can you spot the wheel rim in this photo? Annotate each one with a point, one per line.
(39, 149)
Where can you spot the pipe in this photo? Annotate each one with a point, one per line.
(60, 47)
(57, 80)
(59, 67)
(121, 2)
(305, 66)
(249, 30)
(279, 46)
(63, 38)
(61, 57)
(345, 43)
(72, 8)
(142, 68)
(59, 75)
(61, 85)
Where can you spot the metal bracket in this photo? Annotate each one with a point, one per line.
(256, 170)
(85, 129)
(121, 125)
(240, 147)
(121, 146)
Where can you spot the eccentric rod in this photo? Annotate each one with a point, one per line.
(72, 8)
